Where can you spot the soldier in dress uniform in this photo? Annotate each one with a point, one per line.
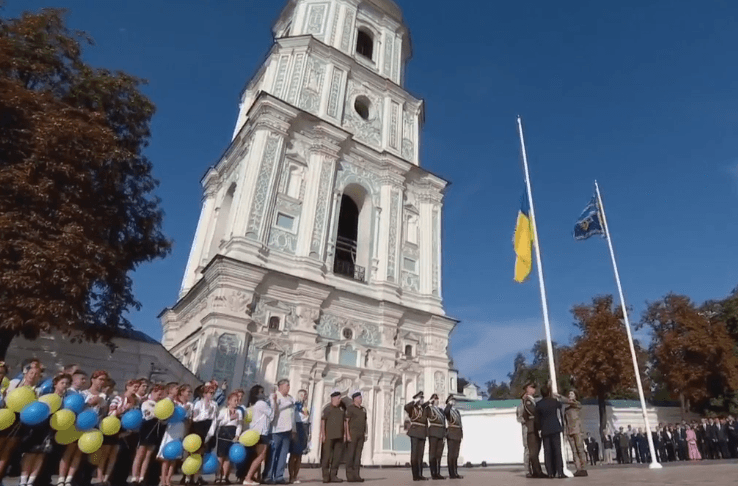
(436, 434)
(573, 430)
(332, 436)
(532, 438)
(454, 434)
(355, 436)
(418, 431)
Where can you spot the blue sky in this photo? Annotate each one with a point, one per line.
(639, 95)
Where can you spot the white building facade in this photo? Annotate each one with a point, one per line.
(317, 255)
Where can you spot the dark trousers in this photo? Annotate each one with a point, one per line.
(332, 452)
(724, 449)
(435, 453)
(534, 450)
(453, 456)
(353, 458)
(417, 449)
(625, 456)
(552, 455)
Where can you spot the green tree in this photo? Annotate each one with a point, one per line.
(77, 204)
(693, 352)
(497, 391)
(599, 361)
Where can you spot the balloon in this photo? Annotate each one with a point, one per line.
(53, 400)
(19, 398)
(65, 437)
(192, 443)
(35, 413)
(87, 420)
(192, 464)
(132, 419)
(46, 387)
(172, 450)
(249, 438)
(90, 441)
(178, 415)
(62, 420)
(110, 425)
(237, 454)
(164, 409)
(7, 417)
(75, 402)
(249, 415)
(210, 463)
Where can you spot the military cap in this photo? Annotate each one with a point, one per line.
(418, 395)
(356, 394)
(335, 393)
(450, 397)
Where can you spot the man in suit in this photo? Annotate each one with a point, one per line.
(712, 435)
(532, 439)
(454, 434)
(722, 434)
(656, 443)
(591, 444)
(623, 444)
(616, 446)
(682, 441)
(418, 431)
(548, 421)
(732, 437)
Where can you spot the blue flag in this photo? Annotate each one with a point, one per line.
(590, 222)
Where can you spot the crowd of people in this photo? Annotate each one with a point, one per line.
(137, 456)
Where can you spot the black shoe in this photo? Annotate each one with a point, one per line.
(336, 479)
(422, 478)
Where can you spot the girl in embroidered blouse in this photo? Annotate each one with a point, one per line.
(262, 418)
(230, 423)
(174, 432)
(11, 437)
(109, 450)
(204, 420)
(150, 435)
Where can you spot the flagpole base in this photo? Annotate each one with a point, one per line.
(655, 465)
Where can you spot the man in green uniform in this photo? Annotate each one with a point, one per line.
(355, 436)
(332, 435)
(436, 434)
(573, 429)
(418, 431)
(454, 434)
(532, 437)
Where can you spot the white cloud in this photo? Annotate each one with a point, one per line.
(484, 351)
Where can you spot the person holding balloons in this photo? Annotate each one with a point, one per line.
(79, 382)
(170, 451)
(229, 424)
(4, 382)
(110, 427)
(263, 414)
(149, 437)
(204, 421)
(20, 393)
(39, 442)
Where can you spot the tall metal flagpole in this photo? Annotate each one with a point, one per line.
(541, 284)
(654, 463)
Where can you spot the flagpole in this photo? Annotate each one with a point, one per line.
(654, 463)
(541, 284)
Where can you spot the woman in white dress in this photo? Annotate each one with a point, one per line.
(260, 422)
(174, 432)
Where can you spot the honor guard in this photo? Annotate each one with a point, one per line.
(332, 436)
(454, 434)
(418, 431)
(436, 434)
(355, 436)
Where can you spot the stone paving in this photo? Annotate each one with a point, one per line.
(686, 474)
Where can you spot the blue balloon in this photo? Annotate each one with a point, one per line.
(209, 463)
(172, 450)
(75, 402)
(237, 454)
(46, 387)
(35, 413)
(131, 420)
(178, 415)
(87, 420)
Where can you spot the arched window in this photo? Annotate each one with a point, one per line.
(294, 182)
(408, 351)
(221, 226)
(365, 44)
(353, 237)
(274, 323)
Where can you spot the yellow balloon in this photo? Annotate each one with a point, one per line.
(53, 400)
(249, 438)
(7, 417)
(110, 425)
(63, 420)
(90, 441)
(65, 437)
(192, 443)
(249, 415)
(19, 398)
(164, 409)
(192, 464)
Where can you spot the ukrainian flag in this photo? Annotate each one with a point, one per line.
(523, 241)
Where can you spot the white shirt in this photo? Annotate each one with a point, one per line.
(202, 412)
(262, 417)
(147, 409)
(226, 420)
(101, 405)
(118, 404)
(284, 413)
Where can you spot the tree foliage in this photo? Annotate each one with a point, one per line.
(692, 351)
(77, 204)
(599, 361)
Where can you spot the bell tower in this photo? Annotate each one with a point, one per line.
(317, 255)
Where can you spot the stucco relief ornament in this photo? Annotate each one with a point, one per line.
(440, 383)
(344, 385)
